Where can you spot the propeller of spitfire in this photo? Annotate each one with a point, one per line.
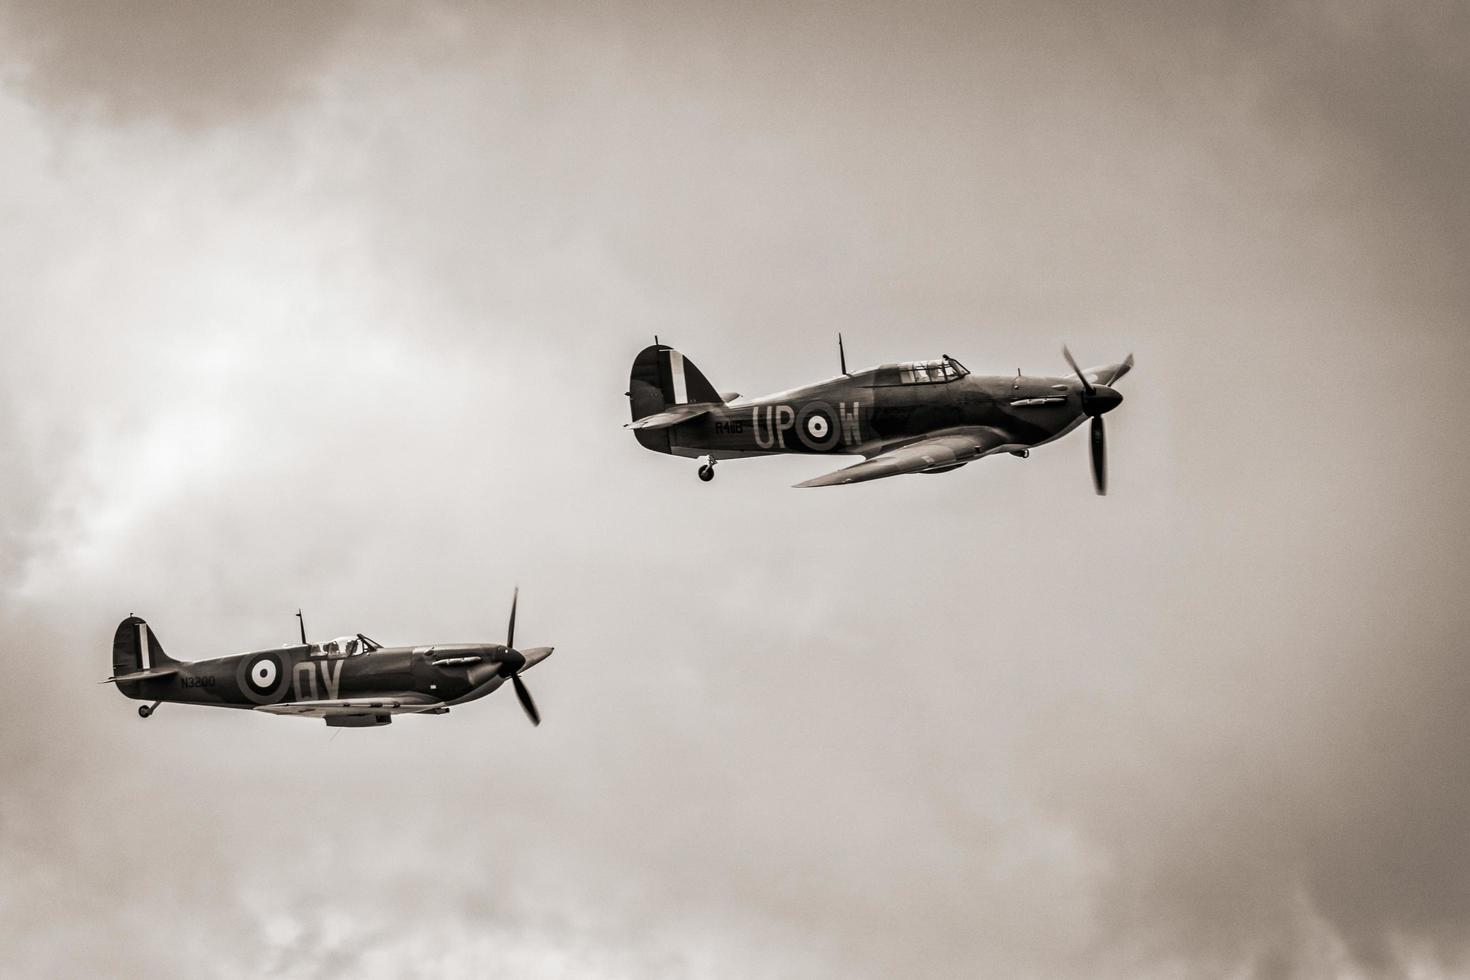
(511, 666)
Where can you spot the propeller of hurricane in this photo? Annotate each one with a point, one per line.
(1097, 400)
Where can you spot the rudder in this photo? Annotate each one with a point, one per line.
(662, 377)
(135, 648)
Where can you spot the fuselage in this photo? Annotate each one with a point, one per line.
(452, 673)
(878, 409)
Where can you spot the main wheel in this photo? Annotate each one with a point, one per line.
(144, 711)
(706, 473)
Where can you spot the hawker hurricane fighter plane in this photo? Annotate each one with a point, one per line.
(351, 682)
(912, 417)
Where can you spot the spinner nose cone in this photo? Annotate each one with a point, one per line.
(511, 662)
(535, 655)
(1103, 400)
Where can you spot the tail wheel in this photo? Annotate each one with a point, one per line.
(706, 473)
(144, 711)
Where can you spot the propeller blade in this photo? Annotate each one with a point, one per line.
(1123, 369)
(1086, 385)
(510, 632)
(1099, 456)
(525, 698)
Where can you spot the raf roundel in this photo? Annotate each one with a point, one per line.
(263, 678)
(263, 674)
(816, 427)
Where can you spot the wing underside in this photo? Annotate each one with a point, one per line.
(939, 452)
(400, 704)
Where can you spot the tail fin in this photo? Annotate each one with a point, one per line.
(135, 648)
(662, 377)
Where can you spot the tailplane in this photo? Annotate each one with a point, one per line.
(137, 654)
(664, 389)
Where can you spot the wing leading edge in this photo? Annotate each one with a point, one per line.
(935, 453)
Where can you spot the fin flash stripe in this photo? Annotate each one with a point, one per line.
(676, 371)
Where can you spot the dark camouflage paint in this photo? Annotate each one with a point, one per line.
(890, 414)
(388, 672)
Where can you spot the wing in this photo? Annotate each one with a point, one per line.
(954, 448)
(396, 704)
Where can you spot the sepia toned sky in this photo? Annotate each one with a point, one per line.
(333, 305)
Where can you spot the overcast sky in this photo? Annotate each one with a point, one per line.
(332, 306)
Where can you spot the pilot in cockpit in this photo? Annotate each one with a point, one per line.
(343, 646)
(940, 369)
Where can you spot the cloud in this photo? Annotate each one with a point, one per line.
(193, 64)
(344, 322)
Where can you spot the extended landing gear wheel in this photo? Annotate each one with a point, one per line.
(706, 473)
(144, 711)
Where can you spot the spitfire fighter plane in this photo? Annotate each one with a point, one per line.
(351, 682)
(912, 417)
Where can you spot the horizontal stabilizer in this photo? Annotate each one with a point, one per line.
(142, 675)
(663, 420)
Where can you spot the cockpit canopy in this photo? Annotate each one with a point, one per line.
(344, 646)
(938, 371)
